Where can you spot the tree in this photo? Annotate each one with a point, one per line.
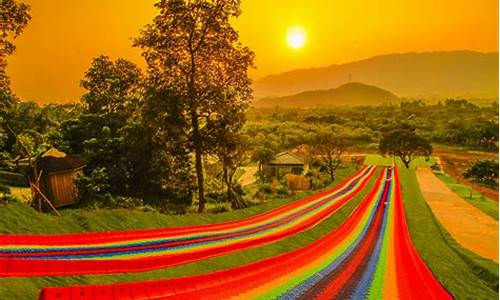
(14, 17)
(262, 154)
(405, 144)
(230, 148)
(192, 49)
(111, 87)
(483, 171)
(330, 148)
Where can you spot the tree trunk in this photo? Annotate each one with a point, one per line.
(198, 158)
(332, 170)
(227, 180)
(406, 162)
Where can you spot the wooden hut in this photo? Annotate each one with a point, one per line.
(59, 172)
(285, 163)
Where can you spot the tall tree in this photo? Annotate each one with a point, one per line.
(330, 149)
(405, 144)
(192, 49)
(14, 16)
(230, 147)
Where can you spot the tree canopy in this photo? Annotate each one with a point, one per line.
(405, 144)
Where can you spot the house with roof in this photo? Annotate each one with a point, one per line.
(285, 163)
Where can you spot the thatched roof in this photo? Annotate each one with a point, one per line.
(56, 161)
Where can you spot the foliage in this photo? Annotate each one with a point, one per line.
(192, 49)
(127, 151)
(330, 149)
(405, 144)
(262, 155)
(111, 87)
(451, 122)
(14, 17)
(484, 172)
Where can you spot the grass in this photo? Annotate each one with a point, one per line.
(465, 274)
(375, 159)
(485, 204)
(28, 288)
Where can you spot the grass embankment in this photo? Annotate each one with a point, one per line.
(28, 288)
(463, 273)
(18, 218)
(488, 206)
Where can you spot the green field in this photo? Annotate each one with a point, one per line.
(463, 273)
(375, 159)
(488, 206)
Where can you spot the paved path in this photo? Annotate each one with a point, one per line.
(472, 228)
(249, 177)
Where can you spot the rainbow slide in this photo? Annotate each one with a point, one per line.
(369, 256)
(138, 251)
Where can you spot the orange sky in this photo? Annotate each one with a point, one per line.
(64, 36)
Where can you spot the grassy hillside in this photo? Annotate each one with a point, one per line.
(434, 74)
(28, 288)
(351, 94)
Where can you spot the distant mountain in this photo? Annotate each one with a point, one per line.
(426, 75)
(350, 94)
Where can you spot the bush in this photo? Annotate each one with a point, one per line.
(266, 188)
(282, 190)
(5, 195)
(297, 182)
(484, 172)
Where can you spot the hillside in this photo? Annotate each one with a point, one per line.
(434, 74)
(350, 94)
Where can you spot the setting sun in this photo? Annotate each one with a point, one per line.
(296, 37)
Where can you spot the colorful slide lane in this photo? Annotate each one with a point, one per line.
(370, 256)
(119, 252)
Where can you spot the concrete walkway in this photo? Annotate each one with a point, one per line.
(468, 225)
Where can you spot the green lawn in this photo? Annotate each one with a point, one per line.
(485, 204)
(463, 273)
(24, 288)
(375, 159)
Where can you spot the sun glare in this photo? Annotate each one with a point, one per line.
(296, 37)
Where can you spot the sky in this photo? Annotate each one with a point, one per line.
(63, 36)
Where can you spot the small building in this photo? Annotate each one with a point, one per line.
(285, 163)
(59, 172)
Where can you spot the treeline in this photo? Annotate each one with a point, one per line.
(452, 122)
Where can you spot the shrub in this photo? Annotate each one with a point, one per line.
(266, 188)
(297, 182)
(282, 190)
